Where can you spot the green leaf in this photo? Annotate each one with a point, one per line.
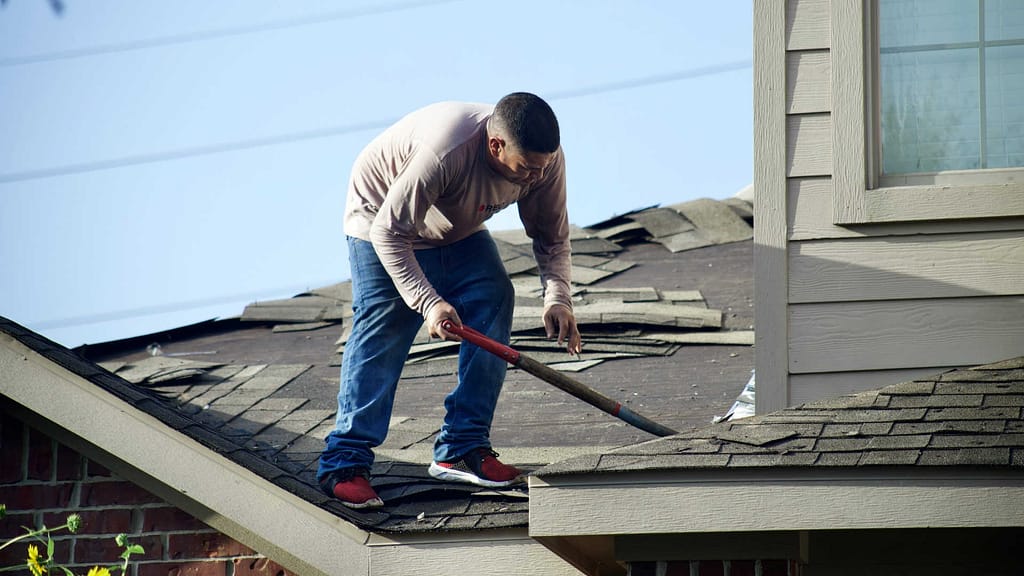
(66, 571)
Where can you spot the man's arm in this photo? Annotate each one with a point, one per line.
(546, 220)
(394, 230)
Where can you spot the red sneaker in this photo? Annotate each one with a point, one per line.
(480, 467)
(352, 487)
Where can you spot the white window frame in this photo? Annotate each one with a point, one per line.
(858, 196)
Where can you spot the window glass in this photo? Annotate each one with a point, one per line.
(951, 78)
(1004, 20)
(1004, 110)
(914, 23)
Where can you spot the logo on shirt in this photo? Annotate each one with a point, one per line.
(491, 209)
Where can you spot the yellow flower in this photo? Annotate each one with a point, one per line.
(33, 561)
(97, 571)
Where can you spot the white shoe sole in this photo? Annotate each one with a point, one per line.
(442, 473)
(371, 503)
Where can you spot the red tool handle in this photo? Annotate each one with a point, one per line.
(559, 380)
(496, 348)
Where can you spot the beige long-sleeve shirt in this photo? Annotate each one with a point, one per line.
(425, 182)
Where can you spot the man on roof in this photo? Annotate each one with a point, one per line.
(418, 199)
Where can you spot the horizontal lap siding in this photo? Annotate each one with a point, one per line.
(907, 267)
(809, 387)
(899, 334)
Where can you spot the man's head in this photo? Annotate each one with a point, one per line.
(522, 137)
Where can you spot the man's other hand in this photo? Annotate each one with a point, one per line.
(560, 318)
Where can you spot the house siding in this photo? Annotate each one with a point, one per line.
(867, 305)
(42, 482)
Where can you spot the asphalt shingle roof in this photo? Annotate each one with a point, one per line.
(965, 417)
(668, 333)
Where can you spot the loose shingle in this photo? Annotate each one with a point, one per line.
(156, 369)
(757, 435)
(687, 240)
(661, 222)
(299, 309)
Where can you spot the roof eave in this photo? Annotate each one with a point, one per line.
(772, 499)
(138, 447)
(226, 496)
(481, 552)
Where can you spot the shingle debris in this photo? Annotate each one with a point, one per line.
(615, 322)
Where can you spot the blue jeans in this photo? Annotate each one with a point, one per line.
(470, 276)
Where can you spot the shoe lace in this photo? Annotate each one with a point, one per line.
(486, 453)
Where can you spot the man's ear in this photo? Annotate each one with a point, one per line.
(494, 145)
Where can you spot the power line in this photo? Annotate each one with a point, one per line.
(347, 128)
(192, 152)
(160, 309)
(215, 34)
(649, 80)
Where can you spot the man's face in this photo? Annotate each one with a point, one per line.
(523, 168)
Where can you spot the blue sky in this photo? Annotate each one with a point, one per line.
(164, 163)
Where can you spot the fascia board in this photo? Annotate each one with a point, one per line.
(140, 448)
(478, 552)
(770, 499)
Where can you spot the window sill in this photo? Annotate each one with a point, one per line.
(930, 202)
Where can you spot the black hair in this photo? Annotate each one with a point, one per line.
(528, 121)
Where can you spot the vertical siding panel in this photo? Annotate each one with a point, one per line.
(770, 262)
(807, 199)
(807, 24)
(848, 121)
(808, 82)
(809, 145)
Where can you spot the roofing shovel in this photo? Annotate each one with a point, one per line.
(559, 380)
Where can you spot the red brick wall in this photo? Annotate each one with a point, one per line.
(42, 481)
